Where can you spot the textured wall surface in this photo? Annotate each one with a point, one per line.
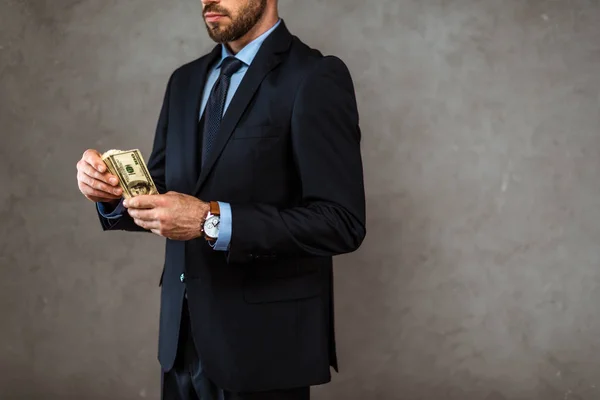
(480, 274)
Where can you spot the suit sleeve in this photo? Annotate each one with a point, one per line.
(156, 166)
(110, 211)
(326, 148)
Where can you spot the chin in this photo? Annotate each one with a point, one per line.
(216, 28)
(217, 35)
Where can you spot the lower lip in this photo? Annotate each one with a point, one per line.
(214, 18)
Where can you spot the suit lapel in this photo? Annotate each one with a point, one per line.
(268, 57)
(191, 111)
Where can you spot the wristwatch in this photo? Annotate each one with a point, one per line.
(211, 223)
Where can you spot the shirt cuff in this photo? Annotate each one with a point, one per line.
(222, 242)
(114, 214)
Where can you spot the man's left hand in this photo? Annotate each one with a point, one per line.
(173, 215)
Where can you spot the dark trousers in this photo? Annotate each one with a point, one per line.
(187, 380)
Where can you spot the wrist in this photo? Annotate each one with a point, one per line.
(203, 214)
(110, 202)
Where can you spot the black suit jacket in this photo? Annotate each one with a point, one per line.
(288, 161)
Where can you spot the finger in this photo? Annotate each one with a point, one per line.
(142, 214)
(143, 201)
(156, 231)
(106, 177)
(98, 185)
(146, 224)
(91, 192)
(94, 158)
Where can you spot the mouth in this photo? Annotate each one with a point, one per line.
(213, 17)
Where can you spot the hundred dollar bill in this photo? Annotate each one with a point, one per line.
(130, 168)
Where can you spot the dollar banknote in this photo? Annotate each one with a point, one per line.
(130, 168)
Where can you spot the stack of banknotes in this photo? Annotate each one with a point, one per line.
(130, 168)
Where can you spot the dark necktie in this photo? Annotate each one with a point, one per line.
(216, 103)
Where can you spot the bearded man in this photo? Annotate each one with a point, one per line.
(257, 161)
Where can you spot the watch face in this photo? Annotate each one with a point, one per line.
(211, 226)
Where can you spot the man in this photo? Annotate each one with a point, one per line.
(257, 161)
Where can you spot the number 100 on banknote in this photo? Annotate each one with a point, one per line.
(130, 168)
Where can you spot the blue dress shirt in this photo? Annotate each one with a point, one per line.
(246, 55)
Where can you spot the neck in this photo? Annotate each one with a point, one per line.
(268, 20)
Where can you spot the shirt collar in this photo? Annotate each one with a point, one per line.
(247, 54)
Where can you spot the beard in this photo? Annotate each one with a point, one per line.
(247, 16)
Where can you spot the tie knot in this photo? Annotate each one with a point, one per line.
(230, 66)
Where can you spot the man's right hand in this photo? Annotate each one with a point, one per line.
(94, 179)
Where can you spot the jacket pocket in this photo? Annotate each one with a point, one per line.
(260, 289)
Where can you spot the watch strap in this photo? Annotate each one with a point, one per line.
(214, 208)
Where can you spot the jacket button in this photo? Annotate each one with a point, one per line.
(182, 277)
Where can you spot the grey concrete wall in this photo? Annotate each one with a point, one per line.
(480, 276)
